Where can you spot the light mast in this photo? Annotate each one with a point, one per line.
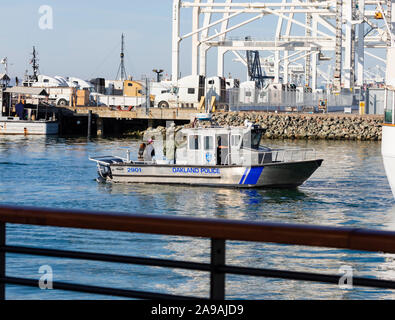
(121, 70)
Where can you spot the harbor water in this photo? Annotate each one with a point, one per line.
(350, 189)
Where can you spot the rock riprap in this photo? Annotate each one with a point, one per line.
(308, 126)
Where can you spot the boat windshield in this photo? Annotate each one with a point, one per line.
(256, 136)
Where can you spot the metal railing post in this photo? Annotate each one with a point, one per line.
(217, 279)
(2, 261)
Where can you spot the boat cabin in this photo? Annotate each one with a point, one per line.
(222, 146)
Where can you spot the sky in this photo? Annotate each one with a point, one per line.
(86, 35)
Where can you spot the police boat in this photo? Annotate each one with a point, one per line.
(215, 156)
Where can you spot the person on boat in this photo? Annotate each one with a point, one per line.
(141, 152)
(149, 151)
(20, 109)
(170, 148)
(221, 151)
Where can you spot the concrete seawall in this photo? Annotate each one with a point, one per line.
(309, 126)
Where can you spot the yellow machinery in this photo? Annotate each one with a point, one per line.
(82, 98)
(362, 107)
(213, 104)
(132, 88)
(201, 104)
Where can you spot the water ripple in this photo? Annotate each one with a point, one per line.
(349, 189)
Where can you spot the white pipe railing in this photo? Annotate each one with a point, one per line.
(277, 155)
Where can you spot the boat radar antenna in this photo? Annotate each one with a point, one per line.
(121, 70)
(247, 123)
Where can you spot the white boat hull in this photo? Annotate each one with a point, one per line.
(281, 174)
(25, 127)
(388, 153)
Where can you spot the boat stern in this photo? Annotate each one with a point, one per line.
(104, 166)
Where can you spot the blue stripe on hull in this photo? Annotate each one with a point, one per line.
(254, 175)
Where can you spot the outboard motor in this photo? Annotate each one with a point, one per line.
(104, 172)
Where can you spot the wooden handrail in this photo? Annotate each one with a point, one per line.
(282, 233)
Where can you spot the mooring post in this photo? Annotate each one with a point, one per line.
(217, 279)
(100, 127)
(89, 123)
(2, 261)
(147, 97)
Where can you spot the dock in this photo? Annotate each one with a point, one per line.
(139, 113)
(112, 120)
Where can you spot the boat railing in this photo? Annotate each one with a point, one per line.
(274, 155)
(219, 231)
(291, 154)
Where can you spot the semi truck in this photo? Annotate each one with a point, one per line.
(191, 92)
(61, 90)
